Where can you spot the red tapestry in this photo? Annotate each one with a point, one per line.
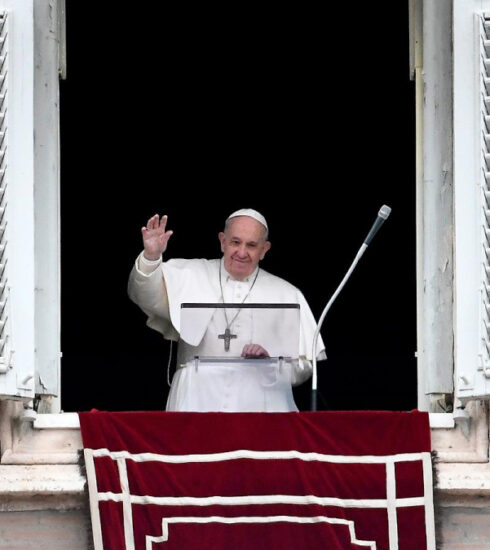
(252, 481)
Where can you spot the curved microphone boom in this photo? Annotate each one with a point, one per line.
(383, 214)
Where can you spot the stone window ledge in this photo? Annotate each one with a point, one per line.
(40, 465)
(55, 438)
(461, 438)
(42, 487)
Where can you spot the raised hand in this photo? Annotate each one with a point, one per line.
(155, 237)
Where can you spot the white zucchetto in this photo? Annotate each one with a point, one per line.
(251, 213)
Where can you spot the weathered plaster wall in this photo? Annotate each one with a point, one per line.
(463, 524)
(46, 530)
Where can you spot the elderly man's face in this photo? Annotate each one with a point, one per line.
(243, 245)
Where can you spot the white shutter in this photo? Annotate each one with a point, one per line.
(29, 242)
(5, 331)
(472, 198)
(17, 376)
(484, 355)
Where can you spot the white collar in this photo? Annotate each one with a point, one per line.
(227, 277)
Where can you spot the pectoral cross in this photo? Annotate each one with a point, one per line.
(227, 336)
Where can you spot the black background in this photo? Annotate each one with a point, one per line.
(305, 115)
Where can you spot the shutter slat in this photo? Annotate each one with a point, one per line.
(485, 188)
(5, 356)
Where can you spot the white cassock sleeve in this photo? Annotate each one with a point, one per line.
(146, 288)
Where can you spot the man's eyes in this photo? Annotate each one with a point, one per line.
(249, 245)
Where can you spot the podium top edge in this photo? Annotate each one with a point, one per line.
(235, 305)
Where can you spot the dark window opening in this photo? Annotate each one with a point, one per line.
(196, 113)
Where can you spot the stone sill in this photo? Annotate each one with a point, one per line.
(463, 480)
(56, 421)
(71, 420)
(441, 421)
(41, 479)
(41, 487)
(42, 439)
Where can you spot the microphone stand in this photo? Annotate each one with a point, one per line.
(382, 216)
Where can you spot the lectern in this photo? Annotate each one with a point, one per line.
(211, 366)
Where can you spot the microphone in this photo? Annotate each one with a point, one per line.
(383, 214)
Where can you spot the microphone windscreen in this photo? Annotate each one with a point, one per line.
(384, 211)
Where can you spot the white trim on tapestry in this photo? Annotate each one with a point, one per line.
(391, 505)
(259, 455)
(258, 519)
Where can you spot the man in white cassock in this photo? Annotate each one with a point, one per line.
(252, 384)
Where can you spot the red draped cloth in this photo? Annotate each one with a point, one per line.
(259, 481)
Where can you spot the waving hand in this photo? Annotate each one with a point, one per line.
(155, 237)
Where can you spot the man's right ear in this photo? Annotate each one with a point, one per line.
(221, 237)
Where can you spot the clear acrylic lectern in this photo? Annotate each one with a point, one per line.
(213, 374)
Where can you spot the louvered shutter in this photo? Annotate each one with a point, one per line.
(5, 331)
(472, 198)
(29, 302)
(484, 333)
(17, 373)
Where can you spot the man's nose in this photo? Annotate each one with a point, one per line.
(242, 251)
